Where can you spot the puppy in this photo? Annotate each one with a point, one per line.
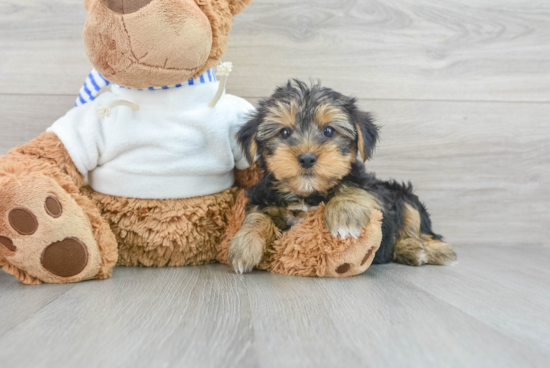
(312, 143)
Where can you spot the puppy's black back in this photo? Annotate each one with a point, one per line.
(393, 196)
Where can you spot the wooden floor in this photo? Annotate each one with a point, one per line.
(490, 310)
(462, 91)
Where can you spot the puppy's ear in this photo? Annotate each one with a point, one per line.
(246, 137)
(238, 6)
(367, 132)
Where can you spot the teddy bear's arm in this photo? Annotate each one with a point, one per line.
(248, 178)
(48, 148)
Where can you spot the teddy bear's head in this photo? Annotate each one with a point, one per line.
(152, 43)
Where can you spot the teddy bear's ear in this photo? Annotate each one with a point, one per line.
(238, 6)
(88, 4)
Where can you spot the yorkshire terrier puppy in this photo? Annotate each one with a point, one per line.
(312, 143)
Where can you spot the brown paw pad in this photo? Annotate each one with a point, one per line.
(8, 243)
(367, 256)
(65, 258)
(23, 221)
(343, 268)
(53, 207)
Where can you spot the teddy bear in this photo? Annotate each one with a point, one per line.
(149, 173)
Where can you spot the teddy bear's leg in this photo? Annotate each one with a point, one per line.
(349, 214)
(49, 231)
(357, 257)
(169, 232)
(309, 249)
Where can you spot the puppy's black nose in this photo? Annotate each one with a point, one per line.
(307, 160)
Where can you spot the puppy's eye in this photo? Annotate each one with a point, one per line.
(285, 133)
(329, 132)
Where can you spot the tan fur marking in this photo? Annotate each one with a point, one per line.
(287, 217)
(249, 244)
(331, 164)
(331, 167)
(283, 114)
(284, 164)
(348, 213)
(361, 144)
(439, 253)
(410, 251)
(415, 249)
(326, 114)
(411, 223)
(409, 248)
(252, 152)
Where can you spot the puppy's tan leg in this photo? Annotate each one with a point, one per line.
(416, 249)
(410, 251)
(439, 253)
(348, 213)
(409, 248)
(248, 246)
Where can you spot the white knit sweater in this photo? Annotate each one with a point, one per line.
(174, 146)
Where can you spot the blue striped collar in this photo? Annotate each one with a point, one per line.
(95, 82)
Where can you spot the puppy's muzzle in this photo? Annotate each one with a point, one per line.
(307, 160)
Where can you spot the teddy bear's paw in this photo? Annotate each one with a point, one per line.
(351, 263)
(44, 234)
(346, 219)
(357, 255)
(246, 251)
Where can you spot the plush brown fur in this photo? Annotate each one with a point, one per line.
(163, 43)
(27, 176)
(308, 249)
(49, 148)
(248, 178)
(416, 249)
(148, 232)
(158, 233)
(235, 218)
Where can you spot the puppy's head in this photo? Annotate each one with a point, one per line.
(308, 137)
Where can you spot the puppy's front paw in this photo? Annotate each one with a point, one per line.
(346, 218)
(246, 251)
